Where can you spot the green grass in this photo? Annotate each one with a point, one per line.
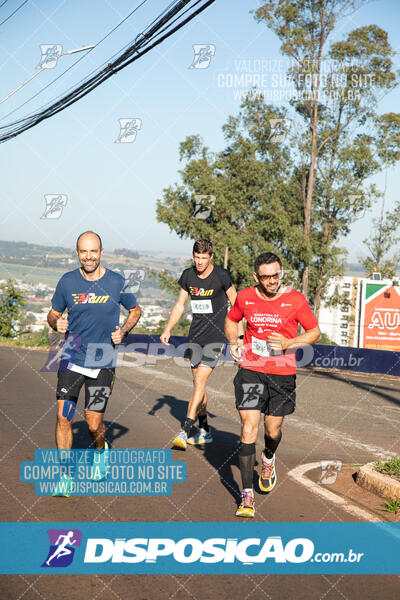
(391, 506)
(28, 340)
(390, 467)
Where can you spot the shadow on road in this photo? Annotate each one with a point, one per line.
(221, 454)
(371, 388)
(177, 408)
(82, 439)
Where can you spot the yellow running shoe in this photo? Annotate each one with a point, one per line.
(181, 440)
(246, 507)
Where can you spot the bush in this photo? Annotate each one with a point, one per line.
(11, 303)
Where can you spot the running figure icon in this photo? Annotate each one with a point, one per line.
(62, 549)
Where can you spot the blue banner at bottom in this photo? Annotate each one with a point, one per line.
(173, 548)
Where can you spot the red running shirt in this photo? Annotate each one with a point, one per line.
(282, 315)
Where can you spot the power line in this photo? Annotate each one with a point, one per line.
(13, 13)
(141, 46)
(75, 63)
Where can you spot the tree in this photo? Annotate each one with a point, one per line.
(181, 328)
(242, 198)
(126, 253)
(300, 195)
(11, 302)
(165, 281)
(381, 244)
(340, 135)
(257, 184)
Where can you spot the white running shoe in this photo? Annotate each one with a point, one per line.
(201, 436)
(181, 440)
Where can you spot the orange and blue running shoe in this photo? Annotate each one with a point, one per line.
(101, 468)
(63, 487)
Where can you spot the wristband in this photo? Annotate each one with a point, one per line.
(125, 331)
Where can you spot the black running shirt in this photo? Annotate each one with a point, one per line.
(209, 304)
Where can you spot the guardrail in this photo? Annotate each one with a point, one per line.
(317, 355)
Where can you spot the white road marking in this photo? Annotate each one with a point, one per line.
(322, 431)
(298, 474)
(342, 439)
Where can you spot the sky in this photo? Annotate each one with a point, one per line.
(113, 187)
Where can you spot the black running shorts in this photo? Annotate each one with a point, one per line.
(207, 355)
(271, 394)
(97, 391)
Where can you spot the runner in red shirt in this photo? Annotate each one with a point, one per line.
(266, 380)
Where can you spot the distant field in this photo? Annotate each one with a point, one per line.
(50, 277)
(30, 274)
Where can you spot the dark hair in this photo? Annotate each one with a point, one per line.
(203, 246)
(84, 233)
(266, 258)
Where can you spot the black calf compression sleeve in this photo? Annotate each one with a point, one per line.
(247, 457)
(271, 444)
(203, 422)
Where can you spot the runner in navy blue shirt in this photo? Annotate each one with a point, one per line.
(92, 295)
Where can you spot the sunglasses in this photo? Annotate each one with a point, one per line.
(278, 276)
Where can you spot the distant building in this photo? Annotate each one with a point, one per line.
(379, 314)
(368, 315)
(339, 323)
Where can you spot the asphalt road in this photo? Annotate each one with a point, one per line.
(349, 418)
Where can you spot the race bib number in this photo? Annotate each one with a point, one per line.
(201, 306)
(93, 373)
(260, 347)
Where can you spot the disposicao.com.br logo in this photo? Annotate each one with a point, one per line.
(247, 551)
(202, 548)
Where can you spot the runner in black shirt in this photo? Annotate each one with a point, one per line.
(209, 288)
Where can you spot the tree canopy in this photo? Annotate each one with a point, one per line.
(296, 191)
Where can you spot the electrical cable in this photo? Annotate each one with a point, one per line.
(75, 63)
(13, 13)
(141, 46)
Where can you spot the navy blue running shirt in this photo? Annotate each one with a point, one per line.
(93, 314)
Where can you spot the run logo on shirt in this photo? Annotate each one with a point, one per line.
(89, 298)
(196, 291)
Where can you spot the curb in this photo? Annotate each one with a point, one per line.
(299, 474)
(383, 485)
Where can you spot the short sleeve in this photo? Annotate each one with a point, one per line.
(127, 299)
(58, 301)
(183, 281)
(226, 280)
(305, 316)
(236, 313)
